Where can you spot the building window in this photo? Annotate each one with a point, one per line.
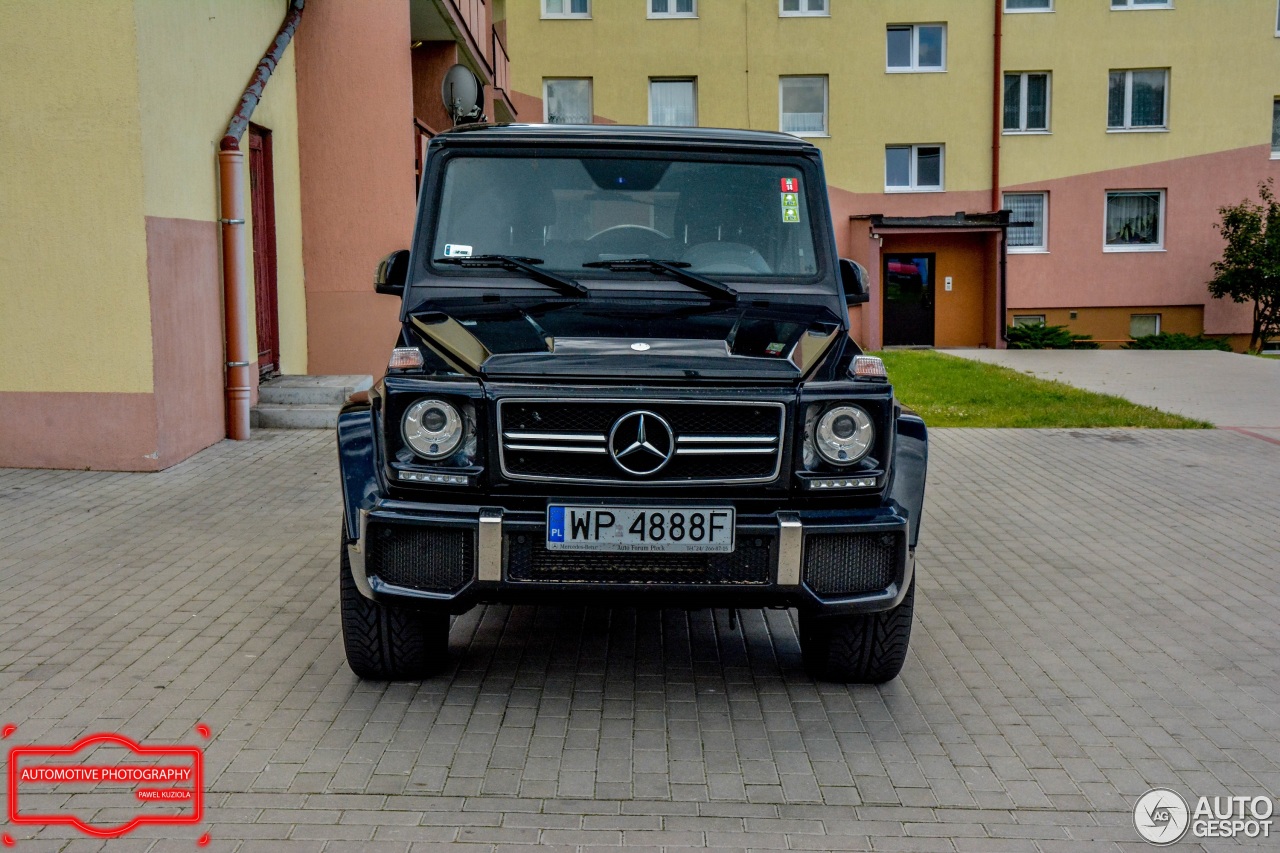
(1141, 325)
(1141, 4)
(788, 8)
(673, 103)
(1028, 218)
(673, 9)
(1026, 102)
(1138, 99)
(1028, 5)
(567, 101)
(1135, 221)
(912, 168)
(917, 47)
(566, 8)
(1028, 319)
(1275, 129)
(803, 105)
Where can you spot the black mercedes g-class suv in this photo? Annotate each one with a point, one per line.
(625, 377)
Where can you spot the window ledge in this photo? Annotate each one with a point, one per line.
(914, 190)
(1275, 155)
(566, 17)
(1146, 7)
(1028, 11)
(1137, 129)
(807, 134)
(1026, 250)
(804, 14)
(888, 70)
(1026, 133)
(654, 17)
(1138, 248)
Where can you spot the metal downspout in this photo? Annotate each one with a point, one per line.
(235, 285)
(997, 114)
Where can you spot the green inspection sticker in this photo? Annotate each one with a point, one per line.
(790, 214)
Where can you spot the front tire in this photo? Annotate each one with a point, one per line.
(867, 648)
(389, 643)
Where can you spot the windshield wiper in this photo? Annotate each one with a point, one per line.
(676, 269)
(565, 285)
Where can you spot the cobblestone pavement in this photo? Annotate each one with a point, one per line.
(1096, 616)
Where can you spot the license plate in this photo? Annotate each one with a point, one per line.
(655, 529)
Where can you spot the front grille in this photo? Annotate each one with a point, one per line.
(851, 563)
(569, 440)
(529, 560)
(435, 559)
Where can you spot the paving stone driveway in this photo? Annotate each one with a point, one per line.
(1097, 616)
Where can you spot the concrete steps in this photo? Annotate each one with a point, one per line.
(304, 402)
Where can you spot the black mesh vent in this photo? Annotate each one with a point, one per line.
(529, 560)
(851, 563)
(437, 559)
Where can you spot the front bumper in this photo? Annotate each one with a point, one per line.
(452, 557)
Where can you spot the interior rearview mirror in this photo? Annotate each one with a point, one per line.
(392, 273)
(853, 276)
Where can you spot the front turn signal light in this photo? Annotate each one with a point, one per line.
(868, 367)
(405, 358)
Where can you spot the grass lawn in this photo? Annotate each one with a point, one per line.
(954, 392)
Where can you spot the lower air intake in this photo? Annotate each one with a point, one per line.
(837, 564)
(529, 560)
(433, 559)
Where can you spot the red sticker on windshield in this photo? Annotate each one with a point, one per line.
(790, 185)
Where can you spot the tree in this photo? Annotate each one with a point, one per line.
(1250, 265)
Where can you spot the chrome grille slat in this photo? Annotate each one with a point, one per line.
(542, 438)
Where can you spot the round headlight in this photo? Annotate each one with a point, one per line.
(844, 435)
(433, 428)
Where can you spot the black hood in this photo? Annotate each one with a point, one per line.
(610, 340)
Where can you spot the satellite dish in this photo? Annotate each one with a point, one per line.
(462, 94)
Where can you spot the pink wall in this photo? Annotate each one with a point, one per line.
(356, 155)
(1076, 272)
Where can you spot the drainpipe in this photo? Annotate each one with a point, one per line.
(235, 284)
(997, 105)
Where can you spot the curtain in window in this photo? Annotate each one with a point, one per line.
(930, 39)
(804, 105)
(1025, 208)
(671, 103)
(1148, 99)
(1133, 218)
(1115, 100)
(1275, 127)
(569, 101)
(899, 46)
(897, 166)
(1026, 4)
(1037, 102)
(1013, 102)
(928, 166)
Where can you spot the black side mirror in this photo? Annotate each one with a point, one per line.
(392, 273)
(853, 276)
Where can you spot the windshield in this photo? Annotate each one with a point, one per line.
(720, 219)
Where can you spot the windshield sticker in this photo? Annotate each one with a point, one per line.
(456, 250)
(775, 348)
(791, 185)
(790, 207)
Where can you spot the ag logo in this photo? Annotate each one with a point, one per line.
(1161, 816)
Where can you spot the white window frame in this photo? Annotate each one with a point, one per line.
(1158, 317)
(1021, 129)
(591, 97)
(693, 83)
(1022, 320)
(1047, 8)
(568, 14)
(915, 67)
(826, 105)
(1043, 248)
(1128, 127)
(1157, 246)
(1131, 5)
(914, 186)
(671, 11)
(1275, 143)
(804, 12)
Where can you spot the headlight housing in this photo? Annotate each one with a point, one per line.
(434, 429)
(842, 435)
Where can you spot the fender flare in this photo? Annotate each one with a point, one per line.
(910, 464)
(357, 461)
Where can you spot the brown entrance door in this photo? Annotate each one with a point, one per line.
(262, 197)
(908, 300)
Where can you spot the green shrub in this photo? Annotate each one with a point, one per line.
(1040, 336)
(1177, 340)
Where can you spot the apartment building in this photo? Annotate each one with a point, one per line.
(991, 163)
(112, 351)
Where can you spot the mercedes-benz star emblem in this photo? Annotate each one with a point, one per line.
(641, 443)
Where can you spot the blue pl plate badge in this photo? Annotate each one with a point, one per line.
(555, 524)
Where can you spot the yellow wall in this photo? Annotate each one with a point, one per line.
(193, 63)
(73, 255)
(738, 87)
(1225, 61)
